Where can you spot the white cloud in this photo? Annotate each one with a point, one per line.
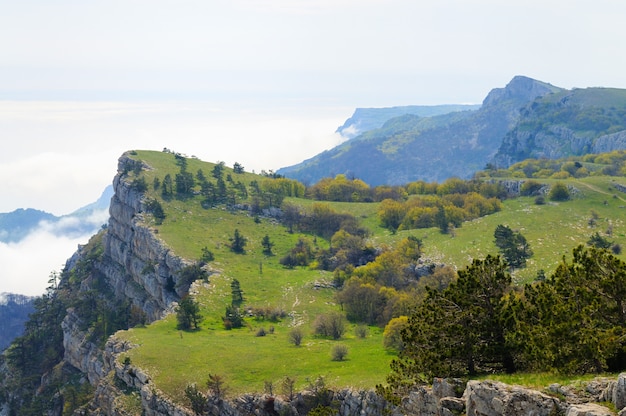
(26, 266)
(59, 156)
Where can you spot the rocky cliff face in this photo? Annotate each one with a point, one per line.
(138, 265)
(137, 268)
(567, 123)
(443, 398)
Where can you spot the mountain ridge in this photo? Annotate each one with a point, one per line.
(408, 148)
(525, 119)
(17, 224)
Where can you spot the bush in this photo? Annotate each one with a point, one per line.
(295, 336)
(197, 400)
(530, 188)
(330, 325)
(339, 352)
(559, 192)
(190, 274)
(616, 249)
(392, 336)
(361, 331)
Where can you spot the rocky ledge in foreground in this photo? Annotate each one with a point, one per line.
(446, 397)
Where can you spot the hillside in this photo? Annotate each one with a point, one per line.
(527, 118)
(169, 212)
(568, 123)
(365, 119)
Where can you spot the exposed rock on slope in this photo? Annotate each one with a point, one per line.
(567, 123)
(136, 266)
(410, 148)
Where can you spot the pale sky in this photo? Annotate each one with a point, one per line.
(264, 83)
(261, 82)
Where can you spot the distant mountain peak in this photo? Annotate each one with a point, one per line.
(520, 88)
(521, 120)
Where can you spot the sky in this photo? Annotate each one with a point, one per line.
(262, 83)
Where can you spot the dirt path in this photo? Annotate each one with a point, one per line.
(600, 191)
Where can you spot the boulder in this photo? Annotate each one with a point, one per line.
(489, 398)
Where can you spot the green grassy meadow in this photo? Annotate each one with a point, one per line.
(176, 358)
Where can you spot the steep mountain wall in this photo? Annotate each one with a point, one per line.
(136, 266)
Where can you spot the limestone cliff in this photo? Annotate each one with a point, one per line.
(136, 266)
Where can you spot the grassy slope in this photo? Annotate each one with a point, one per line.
(175, 359)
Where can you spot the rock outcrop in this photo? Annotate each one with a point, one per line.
(140, 267)
(136, 266)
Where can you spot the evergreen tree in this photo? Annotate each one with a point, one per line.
(218, 171)
(232, 318)
(236, 293)
(238, 168)
(598, 241)
(184, 183)
(458, 331)
(238, 242)
(167, 186)
(267, 245)
(188, 314)
(513, 246)
(574, 321)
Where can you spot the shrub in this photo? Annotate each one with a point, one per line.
(530, 188)
(197, 400)
(392, 336)
(616, 249)
(295, 336)
(339, 352)
(559, 192)
(330, 325)
(190, 274)
(361, 331)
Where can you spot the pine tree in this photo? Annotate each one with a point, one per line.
(457, 331)
(267, 245)
(188, 314)
(238, 242)
(236, 293)
(513, 246)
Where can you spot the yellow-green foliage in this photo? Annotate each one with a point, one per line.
(175, 359)
(434, 211)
